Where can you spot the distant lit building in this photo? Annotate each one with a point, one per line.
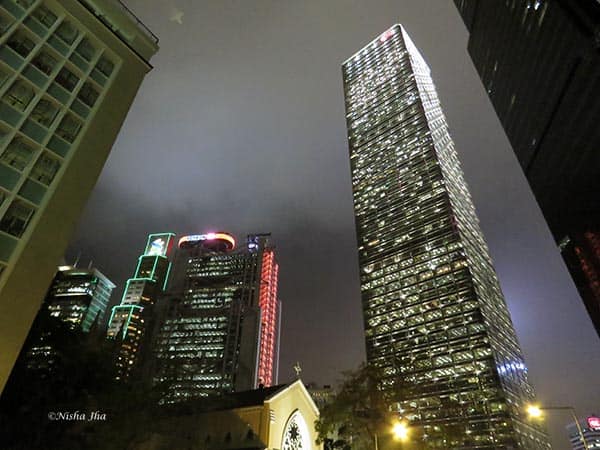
(590, 427)
(69, 71)
(220, 332)
(436, 322)
(581, 252)
(544, 90)
(79, 296)
(131, 321)
(321, 395)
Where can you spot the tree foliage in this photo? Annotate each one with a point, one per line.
(357, 413)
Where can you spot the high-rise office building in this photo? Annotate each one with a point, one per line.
(78, 297)
(539, 62)
(69, 71)
(435, 319)
(132, 320)
(585, 435)
(220, 331)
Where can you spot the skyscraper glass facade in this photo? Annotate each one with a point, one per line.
(79, 297)
(436, 322)
(220, 331)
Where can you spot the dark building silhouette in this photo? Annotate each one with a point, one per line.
(539, 61)
(435, 319)
(582, 256)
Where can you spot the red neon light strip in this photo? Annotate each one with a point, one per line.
(268, 307)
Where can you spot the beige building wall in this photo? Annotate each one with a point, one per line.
(251, 427)
(31, 265)
(294, 399)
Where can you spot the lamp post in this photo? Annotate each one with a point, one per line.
(536, 412)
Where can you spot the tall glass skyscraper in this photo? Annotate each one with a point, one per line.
(435, 319)
(220, 331)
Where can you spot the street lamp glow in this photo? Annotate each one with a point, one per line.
(400, 431)
(534, 411)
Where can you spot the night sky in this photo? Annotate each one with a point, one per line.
(240, 127)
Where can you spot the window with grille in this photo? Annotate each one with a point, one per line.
(67, 79)
(44, 62)
(86, 50)
(45, 169)
(67, 32)
(44, 112)
(17, 154)
(19, 95)
(88, 95)
(44, 16)
(105, 66)
(17, 217)
(69, 128)
(20, 43)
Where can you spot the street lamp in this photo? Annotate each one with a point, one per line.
(399, 431)
(537, 412)
(534, 411)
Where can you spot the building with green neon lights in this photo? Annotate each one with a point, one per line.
(435, 319)
(131, 321)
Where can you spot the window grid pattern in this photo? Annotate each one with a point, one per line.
(198, 344)
(435, 319)
(53, 75)
(132, 320)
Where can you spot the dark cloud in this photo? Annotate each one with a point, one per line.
(241, 127)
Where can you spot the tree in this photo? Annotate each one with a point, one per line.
(357, 413)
